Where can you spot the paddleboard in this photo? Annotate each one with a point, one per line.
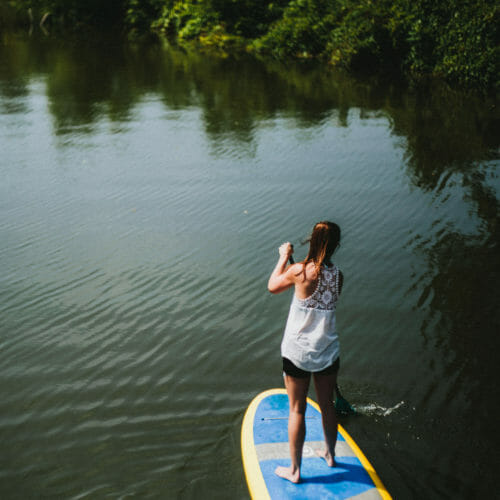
(264, 446)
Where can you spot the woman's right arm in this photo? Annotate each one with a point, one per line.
(282, 278)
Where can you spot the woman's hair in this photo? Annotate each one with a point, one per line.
(323, 241)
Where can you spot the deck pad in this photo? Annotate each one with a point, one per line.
(264, 441)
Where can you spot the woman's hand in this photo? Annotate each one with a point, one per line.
(285, 250)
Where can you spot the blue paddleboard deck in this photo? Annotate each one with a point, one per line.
(264, 441)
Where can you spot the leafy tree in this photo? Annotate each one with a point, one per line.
(458, 40)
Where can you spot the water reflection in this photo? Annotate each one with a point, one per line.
(463, 276)
(450, 161)
(452, 152)
(446, 132)
(103, 77)
(86, 81)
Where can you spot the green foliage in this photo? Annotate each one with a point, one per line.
(454, 39)
(229, 19)
(186, 19)
(69, 13)
(302, 30)
(360, 39)
(468, 49)
(139, 14)
(457, 40)
(343, 32)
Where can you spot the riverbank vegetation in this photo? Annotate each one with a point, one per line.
(456, 40)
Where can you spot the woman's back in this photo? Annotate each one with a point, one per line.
(321, 288)
(310, 340)
(326, 289)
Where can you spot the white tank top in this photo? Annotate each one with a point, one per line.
(310, 340)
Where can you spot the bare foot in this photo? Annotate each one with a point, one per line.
(286, 473)
(330, 461)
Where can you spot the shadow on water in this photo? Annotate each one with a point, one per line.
(452, 151)
(452, 154)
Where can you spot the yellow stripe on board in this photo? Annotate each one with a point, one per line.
(255, 480)
(361, 457)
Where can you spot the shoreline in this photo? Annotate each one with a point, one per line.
(456, 43)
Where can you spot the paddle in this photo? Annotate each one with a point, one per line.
(342, 406)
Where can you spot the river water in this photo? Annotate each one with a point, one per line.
(144, 193)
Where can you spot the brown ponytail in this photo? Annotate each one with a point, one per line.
(324, 239)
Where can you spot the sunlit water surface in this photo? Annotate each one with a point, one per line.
(144, 193)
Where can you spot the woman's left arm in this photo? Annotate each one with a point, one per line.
(282, 278)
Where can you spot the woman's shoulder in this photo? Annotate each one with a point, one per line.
(297, 269)
(311, 273)
(303, 271)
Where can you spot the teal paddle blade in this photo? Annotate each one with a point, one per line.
(342, 406)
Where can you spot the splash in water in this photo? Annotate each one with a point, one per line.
(374, 409)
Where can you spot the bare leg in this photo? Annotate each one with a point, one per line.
(325, 388)
(297, 396)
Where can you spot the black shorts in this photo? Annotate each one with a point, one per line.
(290, 369)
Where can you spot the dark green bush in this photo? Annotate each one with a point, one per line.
(457, 40)
(74, 14)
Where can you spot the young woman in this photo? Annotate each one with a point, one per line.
(310, 342)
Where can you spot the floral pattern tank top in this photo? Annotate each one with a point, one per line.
(310, 340)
